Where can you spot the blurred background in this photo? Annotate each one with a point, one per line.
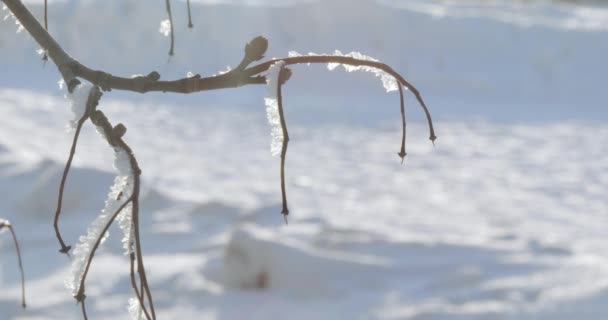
(505, 218)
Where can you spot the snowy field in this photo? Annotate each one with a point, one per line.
(505, 218)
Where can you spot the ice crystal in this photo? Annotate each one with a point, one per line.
(272, 107)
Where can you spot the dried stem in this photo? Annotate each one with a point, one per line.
(402, 153)
(170, 16)
(65, 248)
(285, 210)
(84, 310)
(190, 25)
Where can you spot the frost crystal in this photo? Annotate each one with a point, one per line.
(4, 223)
(78, 100)
(165, 27)
(389, 82)
(125, 222)
(11, 15)
(293, 54)
(272, 108)
(135, 311)
(119, 193)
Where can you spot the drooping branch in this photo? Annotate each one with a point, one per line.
(72, 69)
(113, 135)
(6, 224)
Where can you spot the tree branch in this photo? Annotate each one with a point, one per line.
(70, 68)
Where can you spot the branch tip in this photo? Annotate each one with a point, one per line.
(119, 130)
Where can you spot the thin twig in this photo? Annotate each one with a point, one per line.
(45, 57)
(80, 294)
(138, 292)
(285, 210)
(65, 248)
(402, 153)
(168, 6)
(84, 309)
(16, 242)
(190, 25)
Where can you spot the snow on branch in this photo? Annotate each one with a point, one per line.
(389, 82)
(272, 107)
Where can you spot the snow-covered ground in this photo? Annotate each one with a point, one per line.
(505, 218)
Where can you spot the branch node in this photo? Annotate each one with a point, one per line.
(153, 76)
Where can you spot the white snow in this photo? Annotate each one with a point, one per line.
(78, 102)
(505, 219)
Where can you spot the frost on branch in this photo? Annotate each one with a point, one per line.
(119, 193)
(389, 82)
(11, 15)
(165, 27)
(4, 223)
(135, 310)
(78, 102)
(272, 108)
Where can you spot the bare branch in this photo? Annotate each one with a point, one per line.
(60, 58)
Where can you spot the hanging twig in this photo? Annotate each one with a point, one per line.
(170, 16)
(6, 224)
(402, 153)
(65, 248)
(84, 310)
(45, 56)
(190, 25)
(285, 210)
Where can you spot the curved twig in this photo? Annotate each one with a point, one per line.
(285, 210)
(402, 153)
(352, 62)
(6, 224)
(65, 248)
